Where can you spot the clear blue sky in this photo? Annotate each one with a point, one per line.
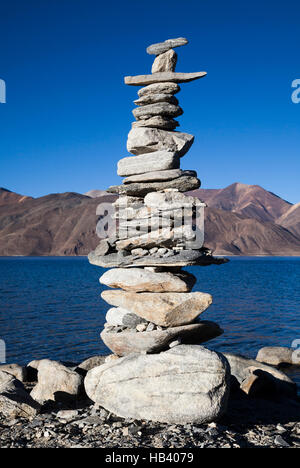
(68, 113)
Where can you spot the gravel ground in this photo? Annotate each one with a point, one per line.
(249, 423)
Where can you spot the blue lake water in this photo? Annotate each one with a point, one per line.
(51, 306)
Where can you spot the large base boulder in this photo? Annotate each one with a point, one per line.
(187, 384)
(14, 400)
(56, 383)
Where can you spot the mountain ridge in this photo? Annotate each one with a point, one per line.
(239, 220)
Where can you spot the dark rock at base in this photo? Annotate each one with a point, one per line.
(14, 400)
(242, 368)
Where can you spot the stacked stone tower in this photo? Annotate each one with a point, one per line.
(156, 230)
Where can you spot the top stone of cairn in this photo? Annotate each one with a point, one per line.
(161, 47)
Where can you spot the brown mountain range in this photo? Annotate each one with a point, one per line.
(240, 220)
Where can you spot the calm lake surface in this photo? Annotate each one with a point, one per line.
(50, 307)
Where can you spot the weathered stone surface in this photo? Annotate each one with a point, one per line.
(19, 372)
(186, 384)
(165, 309)
(278, 356)
(142, 80)
(146, 140)
(141, 280)
(241, 367)
(158, 160)
(56, 382)
(159, 176)
(15, 402)
(118, 316)
(137, 227)
(91, 363)
(155, 98)
(165, 237)
(182, 184)
(180, 259)
(159, 88)
(165, 62)
(103, 247)
(159, 340)
(164, 109)
(157, 122)
(171, 200)
(162, 47)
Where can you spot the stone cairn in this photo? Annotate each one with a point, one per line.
(155, 233)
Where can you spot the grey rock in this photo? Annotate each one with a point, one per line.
(161, 47)
(147, 140)
(163, 109)
(165, 237)
(155, 98)
(159, 176)
(158, 160)
(92, 362)
(181, 259)
(150, 327)
(159, 88)
(165, 62)
(132, 228)
(157, 122)
(242, 366)
(122, 317)
(15, 402)
(142, 80)
(186, 384)
(139, 252)
(56, 383)
(278, 356)
(19, 372)
(67, 415)
(176, 342)
(182, 184)
(141, 280)
(171, 200)
(164, 309)
(103, 247)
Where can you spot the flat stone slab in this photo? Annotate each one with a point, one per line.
(147, 140)
(141, 280)
(164, 309)
(161, 47)
(158, 88)
(142, 80)
(180, 259)
(183, 184)
(171, 200)
(158, 340)
(165, 237)
(155, 98)
(160, 160)
(159, 176)
(186, 384)
(164, 109)
(157, 122)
